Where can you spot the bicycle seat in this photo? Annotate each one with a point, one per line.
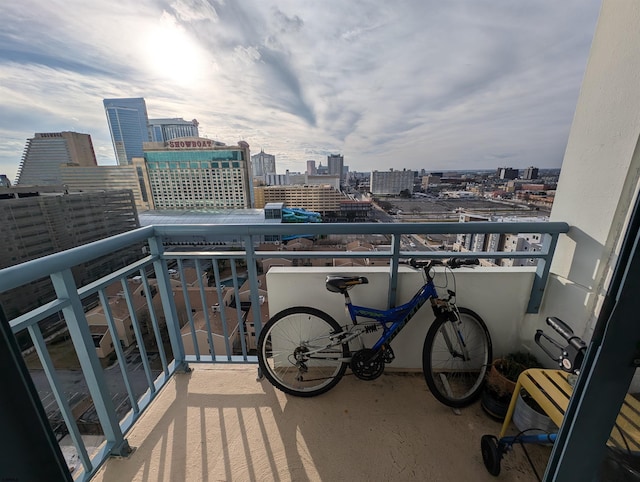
(340, 284)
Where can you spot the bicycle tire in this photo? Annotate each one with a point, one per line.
(453, 381)
(282, 345)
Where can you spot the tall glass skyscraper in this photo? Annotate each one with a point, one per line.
(129, 127)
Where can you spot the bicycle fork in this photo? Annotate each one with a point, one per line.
(455, 321)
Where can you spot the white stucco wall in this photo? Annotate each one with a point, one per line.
(600, 171)
(498, 295)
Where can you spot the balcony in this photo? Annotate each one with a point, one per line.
(189, 409)
(593, 283)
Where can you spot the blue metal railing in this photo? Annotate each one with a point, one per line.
(162, 333)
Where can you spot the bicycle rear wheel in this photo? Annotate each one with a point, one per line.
(300, 353)
(455, 379)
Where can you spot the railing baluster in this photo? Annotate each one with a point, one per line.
(239, 313)
(61, 399)
(187, 306)
(118, 349)
(139, 336)
(154, 322)
(205, 308)
(168, 304)
(65, 287)
(393, 274)
(223, 316)
(252, 271)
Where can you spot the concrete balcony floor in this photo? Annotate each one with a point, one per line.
(218, 423)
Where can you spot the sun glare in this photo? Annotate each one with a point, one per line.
(170, 52)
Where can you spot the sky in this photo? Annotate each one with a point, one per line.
(415, 84)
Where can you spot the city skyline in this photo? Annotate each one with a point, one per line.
(439, 86)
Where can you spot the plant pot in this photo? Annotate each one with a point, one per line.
(498, 382)
(526, 417)
(494, 405)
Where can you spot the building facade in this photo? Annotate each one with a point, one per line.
(104, 178)
(45, 152)
(335, 165)
(262, 164)
(129, 127)
(507, 173)
(36, 226)
(530, 173)
(391, 183)
(167, 129)
(197, 173)
(276, 179)
(321, 198)
(311, 167)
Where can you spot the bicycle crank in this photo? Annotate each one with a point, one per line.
(366, 364)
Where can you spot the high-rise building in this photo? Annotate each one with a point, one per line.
(129, 127)
(335, 163)
(530, 173)
(262, 164)
(311, 167)
(507, 173)
(4, 181)
(167, 129)
(197, 173)
(36, 226)
(45, 152)
(391, 183)
(105, 178)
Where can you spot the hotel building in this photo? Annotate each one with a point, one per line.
(45, 152)
(196, 173)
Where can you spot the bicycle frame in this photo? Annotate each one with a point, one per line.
(394, 319)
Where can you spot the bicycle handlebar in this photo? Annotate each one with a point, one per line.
(452, 263)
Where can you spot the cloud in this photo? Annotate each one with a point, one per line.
(433, 85)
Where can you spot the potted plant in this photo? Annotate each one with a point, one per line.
(501, 381)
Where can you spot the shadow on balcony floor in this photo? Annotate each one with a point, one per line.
(219, 424)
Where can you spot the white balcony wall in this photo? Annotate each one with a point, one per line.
(600, 172)
(498, 295)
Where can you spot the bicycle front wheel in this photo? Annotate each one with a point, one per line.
(300, 352)
(455, 358)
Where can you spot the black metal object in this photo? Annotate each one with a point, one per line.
(28, 447)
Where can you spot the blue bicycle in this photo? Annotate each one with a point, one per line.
(305, 352)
